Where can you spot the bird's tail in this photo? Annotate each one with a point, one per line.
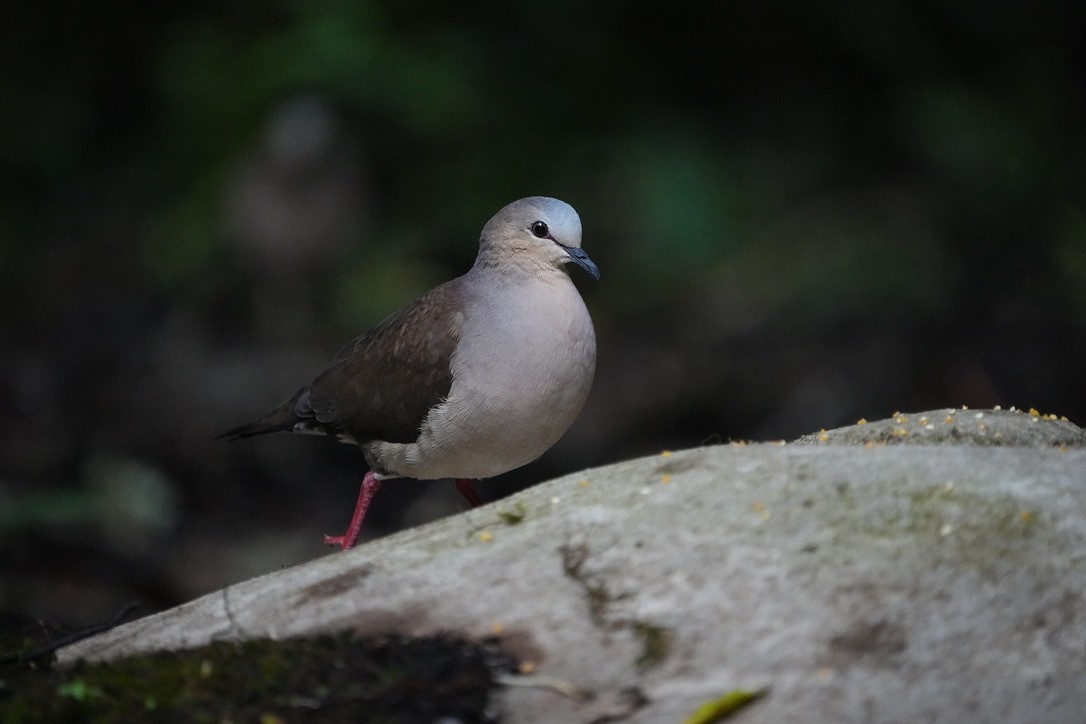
(281, 419)
(257, 427)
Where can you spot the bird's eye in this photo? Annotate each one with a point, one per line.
(539, 229)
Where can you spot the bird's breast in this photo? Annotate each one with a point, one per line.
(520, 375)
(536, 354)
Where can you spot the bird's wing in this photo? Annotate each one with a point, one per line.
(382, 385)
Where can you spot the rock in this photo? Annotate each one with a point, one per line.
(936, 581)
(954, 427)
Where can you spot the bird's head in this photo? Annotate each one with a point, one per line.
(536, 229)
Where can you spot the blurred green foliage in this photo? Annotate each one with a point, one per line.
(830, 162)
(685, 130)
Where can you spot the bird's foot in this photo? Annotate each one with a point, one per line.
(468, 491)
(338, 540)
(370, 486)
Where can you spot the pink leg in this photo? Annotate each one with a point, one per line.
(468, 491)
(370, 485)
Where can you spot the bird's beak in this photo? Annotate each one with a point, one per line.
(581, 259)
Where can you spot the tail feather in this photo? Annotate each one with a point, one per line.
(252, 429)
(281, 419)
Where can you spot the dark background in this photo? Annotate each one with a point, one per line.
(805, 213)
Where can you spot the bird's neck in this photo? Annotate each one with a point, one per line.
(518, 270)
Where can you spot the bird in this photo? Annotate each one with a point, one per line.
(474, 378)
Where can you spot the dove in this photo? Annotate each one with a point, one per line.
(476, 377)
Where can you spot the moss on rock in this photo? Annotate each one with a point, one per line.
(332, 678)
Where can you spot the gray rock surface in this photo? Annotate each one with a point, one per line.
(865, 581)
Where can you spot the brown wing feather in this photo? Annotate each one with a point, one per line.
(381, 385)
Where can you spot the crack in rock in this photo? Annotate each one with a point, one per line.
(236, 628)
(655, 640)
